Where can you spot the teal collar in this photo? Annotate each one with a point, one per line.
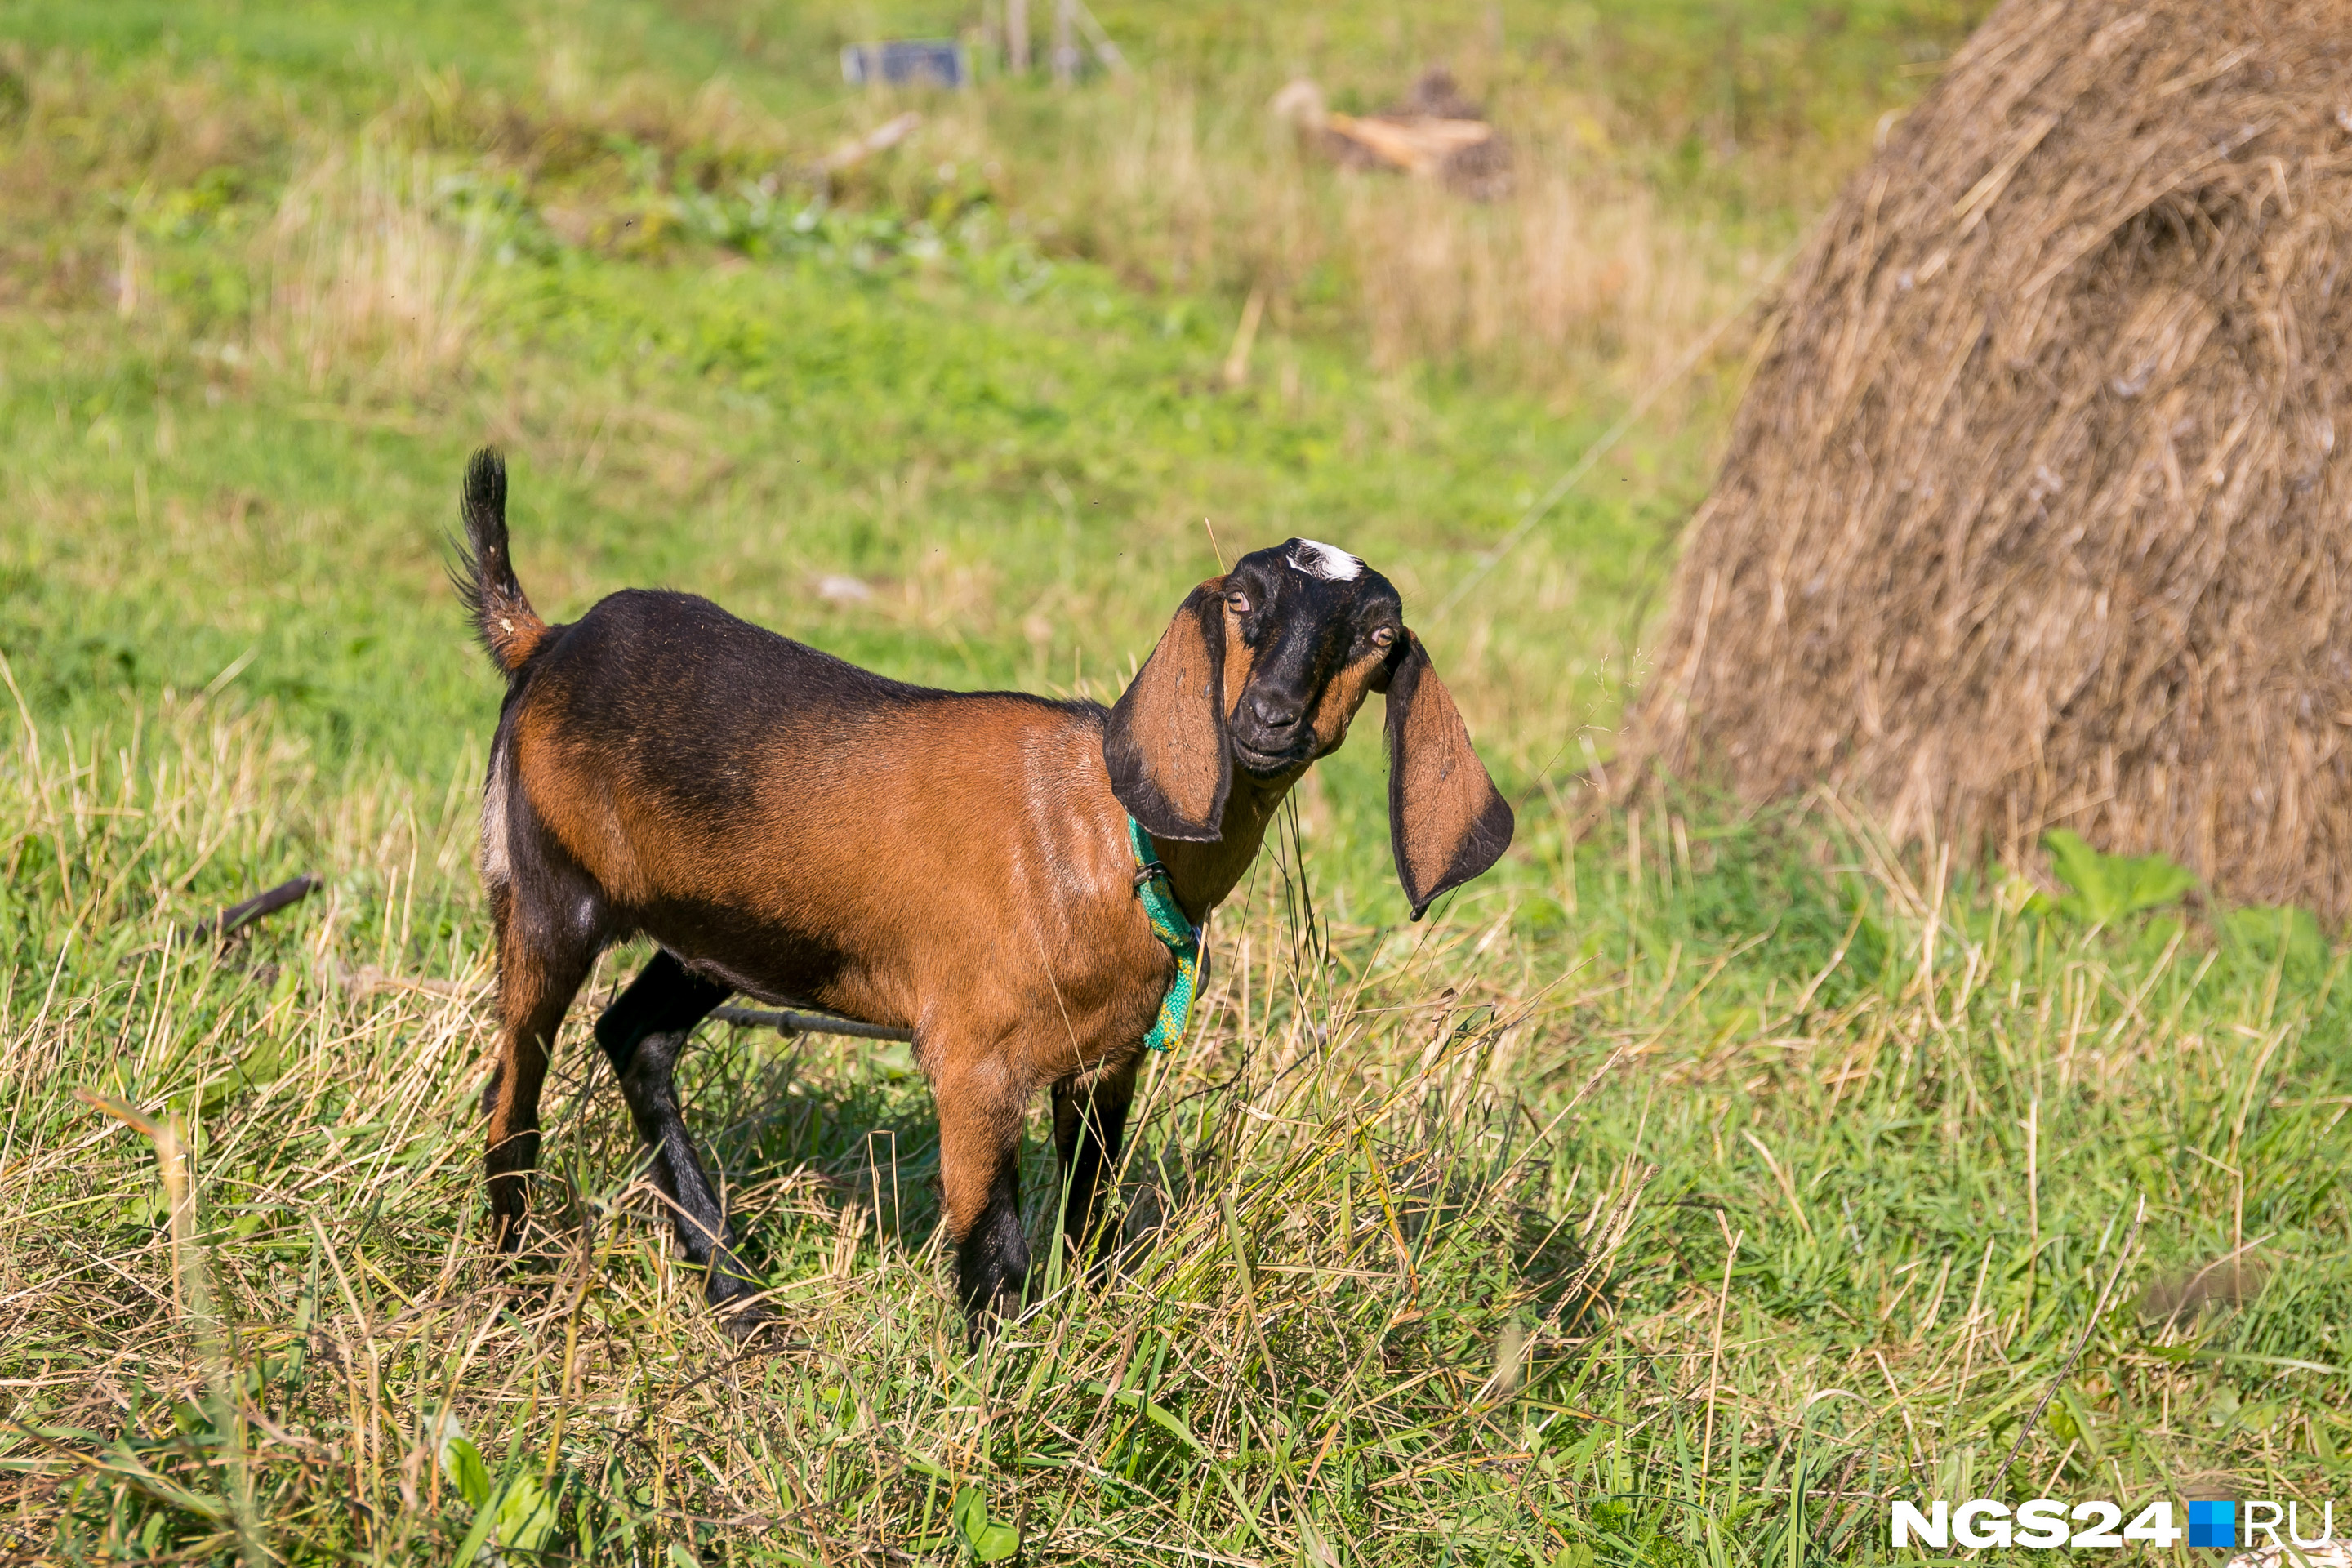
(1169, 925)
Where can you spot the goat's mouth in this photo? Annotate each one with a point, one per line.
(1265, 764)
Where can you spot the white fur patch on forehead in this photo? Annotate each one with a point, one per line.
(1317, 559)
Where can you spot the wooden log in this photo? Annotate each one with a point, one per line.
(236, 917)
(789, 1022)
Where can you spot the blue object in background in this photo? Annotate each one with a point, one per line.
(906, 62)
(2212, 1522)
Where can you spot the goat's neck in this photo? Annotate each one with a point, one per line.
(1202, 874)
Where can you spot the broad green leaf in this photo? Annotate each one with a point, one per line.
(996, 1542)
(526, 1514)
(462, 1463)
(2106, 887)
(969, 1511)
(989, 1541)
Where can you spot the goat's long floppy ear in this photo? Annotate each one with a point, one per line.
(1165, 743)
(1447, 821)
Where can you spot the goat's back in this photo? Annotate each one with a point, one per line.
(804, 827)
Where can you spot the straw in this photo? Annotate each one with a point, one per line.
(2031, 515)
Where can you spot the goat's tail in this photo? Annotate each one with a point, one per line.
(483, 574)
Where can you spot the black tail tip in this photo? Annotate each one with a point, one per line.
(486, 486)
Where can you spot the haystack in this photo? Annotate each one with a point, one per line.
(2035, 513)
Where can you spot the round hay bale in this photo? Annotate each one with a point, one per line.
(2034, 512)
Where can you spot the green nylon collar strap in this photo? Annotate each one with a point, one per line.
(1181, 937)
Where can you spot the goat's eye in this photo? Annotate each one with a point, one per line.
(1238, 602)
(1383, 635)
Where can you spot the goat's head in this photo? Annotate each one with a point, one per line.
(1261, 671)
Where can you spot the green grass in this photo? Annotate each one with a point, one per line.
(1485, 1177)
(1681, 1192)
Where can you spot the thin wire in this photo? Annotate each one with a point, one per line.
(1609, 438)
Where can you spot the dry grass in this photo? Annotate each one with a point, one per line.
(90, 157)
(365, 275)
(1568, 266)
(2034, 514)
(359, 276)
(1446, 1240)
(1180, 191)
(1575, 265)
(336, 1080)
(1576, 268)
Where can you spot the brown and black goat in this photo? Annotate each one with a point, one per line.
(958, 864)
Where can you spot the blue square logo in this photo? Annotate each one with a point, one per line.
(2213, 1523)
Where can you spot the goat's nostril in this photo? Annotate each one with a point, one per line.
(1275, 715)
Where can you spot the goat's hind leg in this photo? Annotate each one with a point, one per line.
(540, 969)
(641, 1032)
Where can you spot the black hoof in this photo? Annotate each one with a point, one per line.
(744, 1317)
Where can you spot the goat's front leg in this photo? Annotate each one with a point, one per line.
(1089, 1126)
(981, 1107)
(641, 1032)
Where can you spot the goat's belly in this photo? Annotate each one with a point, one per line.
(772, 963)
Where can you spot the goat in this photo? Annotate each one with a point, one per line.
(965, 865)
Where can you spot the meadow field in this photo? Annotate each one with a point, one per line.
(1683, 1191)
